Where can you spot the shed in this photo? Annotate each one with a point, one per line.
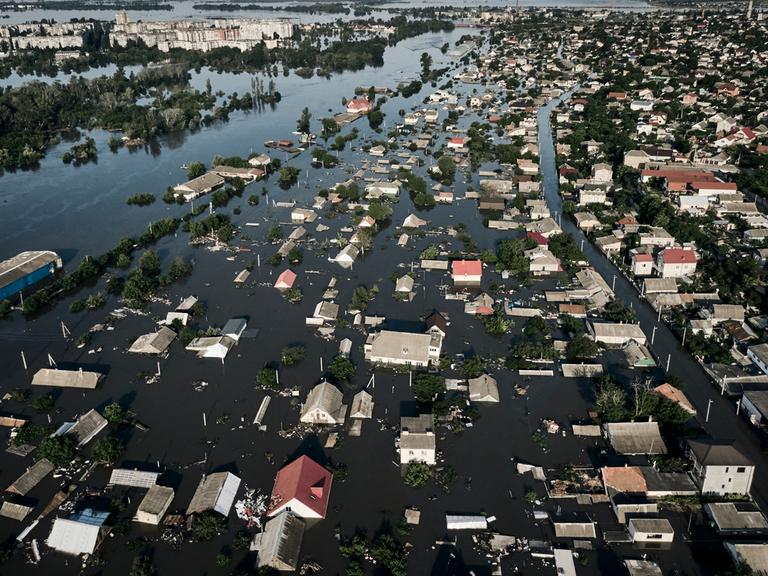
(133, 478)
(362, 405)
(57, 378)
(574, 525)
(466, 522)
(153, 343)
(154, 505)
(657, 530)
(215, 492)
(483, 389)
(32, 477)
(279, 544)
(14, 511)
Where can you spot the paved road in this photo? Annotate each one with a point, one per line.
(723, 423)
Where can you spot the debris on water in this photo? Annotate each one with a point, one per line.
(199, 385)
(252, 508)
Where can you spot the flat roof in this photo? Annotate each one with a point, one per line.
(66, 378)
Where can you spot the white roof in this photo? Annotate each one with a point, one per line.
(73, 537)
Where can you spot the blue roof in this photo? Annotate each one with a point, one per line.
(90, 516)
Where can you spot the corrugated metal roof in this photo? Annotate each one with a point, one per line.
(133, 478)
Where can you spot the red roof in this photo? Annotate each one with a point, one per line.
(358, 104)
(678, 256)
(538, 238)
(627, 220)
(286, 279)
(457, 140)
(710, 185)
(467, 268)
(643, 258)
(303, 480)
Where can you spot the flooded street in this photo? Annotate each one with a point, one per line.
(198, 415)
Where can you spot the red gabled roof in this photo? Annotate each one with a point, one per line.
(359, 104)
(538, 238)
(467, 267)
(628, 219)
(286, 279)
(303, 480)
(713, 185)
(643, 258)
(457, 140)
(678, 256)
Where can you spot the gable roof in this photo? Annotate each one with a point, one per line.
(467, 268)
(304, 480)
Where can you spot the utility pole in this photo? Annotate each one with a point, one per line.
(709, 405)
(685, 331)
(613, 284)
(24, 360)
(738, 406)
(669, 357)
(653, 335)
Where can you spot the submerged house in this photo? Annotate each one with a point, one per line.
(403, 348)
(215, 492)
(81, 533)
(324, 405)
(279, 544)
(302, 487)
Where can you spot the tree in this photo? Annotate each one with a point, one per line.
(43, 404)
(149, 264)
(267, 378)
(536, 328)
(142, 566)
(473, 367)
(447, 169)
(292, 355)
(611, 401)
(581, 347)
(303, 123)
(114, 413)
(497, 324)
(417, 474)
(342, 368)
(390, 553)
(379, 211)
(208, 525)
(427, 386)
(108, 450)
(179, 268)
(195, 170)
(60, 450)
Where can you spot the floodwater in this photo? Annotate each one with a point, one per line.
(184, 9)
(79, 211)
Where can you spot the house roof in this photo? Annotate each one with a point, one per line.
(635, 437)
(712, 453)
(153, 343)
(304, 480)
(286, 279)
(280, 542)
(78, 534)
(134, 478)
(326, 398)
(87, 426)
(437, 320)
(66, 378)
(483, 389)
(678, 256)
(215, 492)
(156, 500)
(675, 395)
(737, 516)
(626, 479)
(466, 268)
(31, 478)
